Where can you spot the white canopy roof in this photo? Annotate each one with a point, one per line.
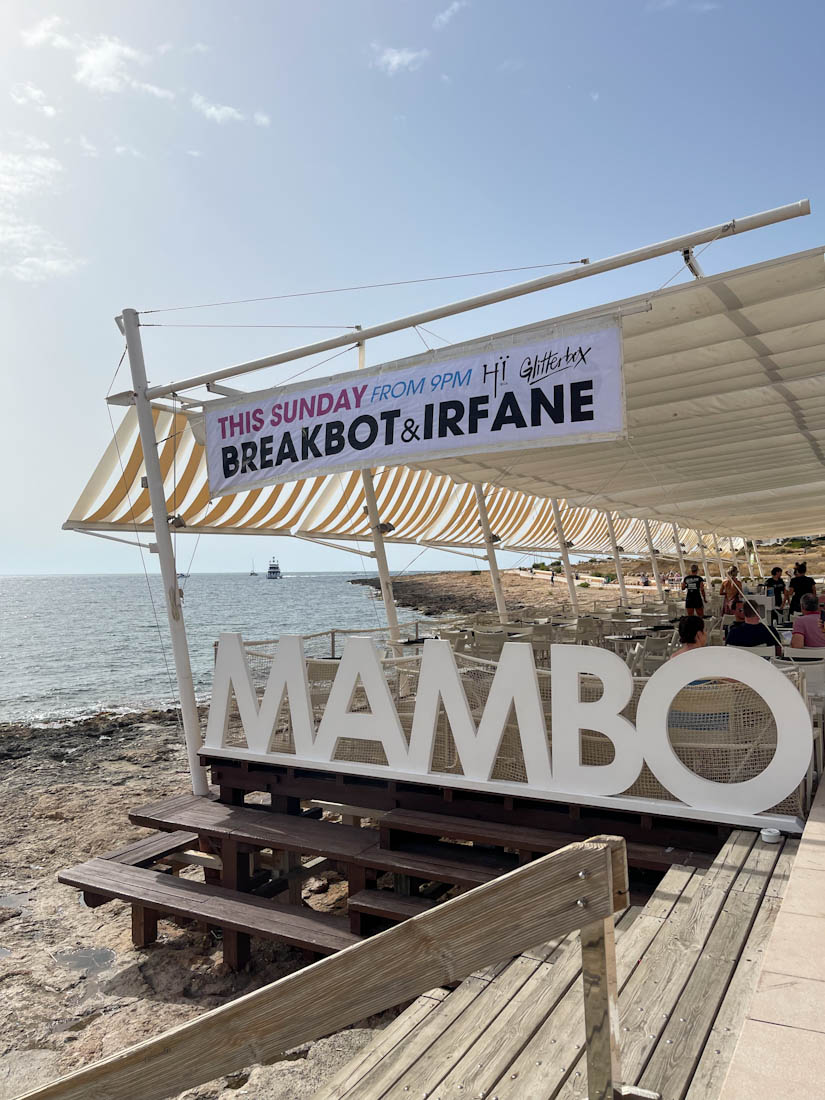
(725, 409)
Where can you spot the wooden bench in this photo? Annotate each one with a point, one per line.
(396, 825)
(388, 905)
(152, 893)
(258, 827)
(143, 853)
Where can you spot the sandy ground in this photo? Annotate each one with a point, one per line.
(73, 987)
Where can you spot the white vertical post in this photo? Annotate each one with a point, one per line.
(377, 537)
(616, 556)
(565, 557)
(703, 555)
(756, 556)
(733, 557)
(653, 562)
(719, 561)
(679, 553)
(166, 554)
(492, 561)
(747, 554)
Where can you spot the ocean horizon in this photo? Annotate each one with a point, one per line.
(73, 645)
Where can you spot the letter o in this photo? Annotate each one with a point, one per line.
(794, 735)
(352, 435)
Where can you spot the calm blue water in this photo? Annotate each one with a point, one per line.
(72, 646)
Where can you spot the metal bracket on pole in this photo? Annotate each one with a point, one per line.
(166, 554)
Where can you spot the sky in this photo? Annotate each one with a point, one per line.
(155, 155)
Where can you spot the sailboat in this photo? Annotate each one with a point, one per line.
(252, 572)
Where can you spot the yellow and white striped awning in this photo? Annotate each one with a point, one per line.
(420, 506)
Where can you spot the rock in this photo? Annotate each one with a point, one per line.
(25, 1070)
(7, 913)
(316, 886)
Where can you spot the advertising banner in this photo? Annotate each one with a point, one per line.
(499, 394)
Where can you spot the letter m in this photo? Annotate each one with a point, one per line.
(514, 689)
(287, 676)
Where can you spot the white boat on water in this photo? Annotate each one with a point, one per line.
(273, 573)
(252, 572)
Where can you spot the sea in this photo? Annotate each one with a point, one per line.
(72, 646)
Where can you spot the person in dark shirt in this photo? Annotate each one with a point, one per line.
(775, 584)
(752, 631)
(800, 585)
(694, 586)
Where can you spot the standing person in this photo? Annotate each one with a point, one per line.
(730, 589)
(694, 586)
(775, 585)
(800, 585)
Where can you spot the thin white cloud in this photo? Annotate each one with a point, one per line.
(47, 33)
(215, 112)
(89, 148)
(28, 252)
(449, 13)
(34, 144)
(197, 47)
(29, 95)
(128, 151)
(261, 118)
(510, 65)
(391, 61)
(103, 64)
(194, 153)
(594, 96)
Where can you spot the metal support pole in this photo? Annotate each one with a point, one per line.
(565, 557)
(719, 561)
(492, 561)
(747, 554)
(733, 557)
(756, 556)
(703, 555)
(653, 562)
(166, 554)
(679, 553)
(377, 536)
(616, 557)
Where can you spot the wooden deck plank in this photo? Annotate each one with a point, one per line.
(228, 909)
(150, 848)
(542, 1065)
(679, 1048)
(370, 1056)
(653, 990)
(498, 1045)
(388, 904)
(709, 1076)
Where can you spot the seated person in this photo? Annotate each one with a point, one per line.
(807, 630)
(691, 634)
(750, 630)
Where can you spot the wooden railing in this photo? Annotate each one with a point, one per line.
(579, 887)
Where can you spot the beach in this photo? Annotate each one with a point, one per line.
(75, 989)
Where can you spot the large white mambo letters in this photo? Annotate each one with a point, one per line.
(557, 775)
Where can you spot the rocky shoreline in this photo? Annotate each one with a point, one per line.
(469, 591)
(74, 989)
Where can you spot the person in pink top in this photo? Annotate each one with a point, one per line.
(807, 630)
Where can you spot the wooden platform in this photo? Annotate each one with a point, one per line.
(687, 964)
